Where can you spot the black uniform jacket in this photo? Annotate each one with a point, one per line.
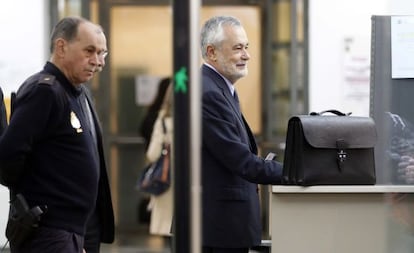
(48, 155)
(231, 170)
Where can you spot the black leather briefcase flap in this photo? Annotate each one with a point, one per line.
(334, 132)
(330, 150)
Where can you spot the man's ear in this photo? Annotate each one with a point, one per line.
(211, 53)
(60, 47)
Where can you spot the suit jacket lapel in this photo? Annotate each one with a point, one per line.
(226, 92)
(221, 83)
(98, 128)
(253, 146)
(242, 121)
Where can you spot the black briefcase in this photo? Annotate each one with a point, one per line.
(330, 150)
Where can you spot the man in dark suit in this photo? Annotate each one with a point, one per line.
(231, 168)
(100, 226)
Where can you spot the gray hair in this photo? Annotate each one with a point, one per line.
(212, 31)
(67, 29)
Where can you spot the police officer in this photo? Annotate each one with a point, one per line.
(51, 153)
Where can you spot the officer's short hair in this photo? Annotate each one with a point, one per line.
(67, 29)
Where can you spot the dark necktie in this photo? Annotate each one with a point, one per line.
(236, 98)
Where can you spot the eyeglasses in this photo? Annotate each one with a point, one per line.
(90, 52)
(103, 54)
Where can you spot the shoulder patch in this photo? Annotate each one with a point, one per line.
(46, 79)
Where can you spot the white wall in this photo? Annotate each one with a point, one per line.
(331, 22)
(23, 44)
(401, 7)
(23, 41)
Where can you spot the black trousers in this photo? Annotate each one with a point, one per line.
(93, 235)
(225, 250)
(51, 240)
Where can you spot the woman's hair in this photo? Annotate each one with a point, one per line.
(167, 105)
(212, 31)
(159, 98)
(147, 124)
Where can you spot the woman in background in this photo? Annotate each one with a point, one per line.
(153, 110)
(161, 206)
(145, 129)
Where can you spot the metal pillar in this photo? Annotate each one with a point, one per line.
(187, 134)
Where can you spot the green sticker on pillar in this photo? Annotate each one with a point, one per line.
(181, 79)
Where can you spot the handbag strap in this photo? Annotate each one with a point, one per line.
(166, 153)
(336, 112)
(164, 127)
(165, 144)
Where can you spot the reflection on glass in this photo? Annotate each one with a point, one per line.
(400, 151)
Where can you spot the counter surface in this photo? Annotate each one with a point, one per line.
(343, 189)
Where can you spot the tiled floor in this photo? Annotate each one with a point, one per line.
(133, 243)
(130, 243)
(147, 244)
(136, 243)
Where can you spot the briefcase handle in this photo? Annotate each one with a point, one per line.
(336, 112)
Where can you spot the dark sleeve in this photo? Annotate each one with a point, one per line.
(222, 140)
(30, 118)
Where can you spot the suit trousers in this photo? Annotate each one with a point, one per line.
(225, 250)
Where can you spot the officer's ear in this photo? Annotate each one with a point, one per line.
(60, 47)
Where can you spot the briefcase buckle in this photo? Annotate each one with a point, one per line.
(341, 156)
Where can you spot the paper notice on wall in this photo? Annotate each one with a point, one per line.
(402, 46)
(146, 87)
(356, 75)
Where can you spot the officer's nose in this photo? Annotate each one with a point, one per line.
(100, 62)
(100, 59)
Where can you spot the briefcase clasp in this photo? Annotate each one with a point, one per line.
(341, 156)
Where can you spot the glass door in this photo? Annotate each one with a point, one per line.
(140, 52)
(286, 91)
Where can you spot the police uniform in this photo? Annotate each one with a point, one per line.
(50, 155)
